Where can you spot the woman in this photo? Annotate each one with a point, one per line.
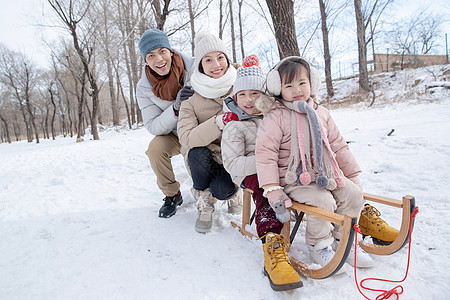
(200, 126)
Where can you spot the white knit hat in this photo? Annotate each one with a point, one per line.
(206, 42)
(249, 76)
(273, 81)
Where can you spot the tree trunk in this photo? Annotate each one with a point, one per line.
(191, 18)
(282, 12)
(114, 109)
(28, 103)
(326, 50)
(8, 138)
(233, 42)
(81, 101)
(220, 19)
(52, 123)
(241, 35)
(362, 51)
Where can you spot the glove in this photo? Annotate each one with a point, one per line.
(278, 200)
(223, 119)
(182, 95)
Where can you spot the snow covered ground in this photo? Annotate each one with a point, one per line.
(79, 220)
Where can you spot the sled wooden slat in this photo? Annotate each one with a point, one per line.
(339, 258)
(408, 205)
(246, 212)
(383, 200)
(343, 250)
(318, 212)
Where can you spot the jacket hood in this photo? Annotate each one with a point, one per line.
(266, 103)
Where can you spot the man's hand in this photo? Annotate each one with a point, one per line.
(182, 95)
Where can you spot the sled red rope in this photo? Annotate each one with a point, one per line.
(386, 294)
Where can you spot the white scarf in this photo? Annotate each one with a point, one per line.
(212, 88)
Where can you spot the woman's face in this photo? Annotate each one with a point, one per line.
(246, 101)
(215, 64)
(298, 89)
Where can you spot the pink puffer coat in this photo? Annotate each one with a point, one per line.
(273, 145)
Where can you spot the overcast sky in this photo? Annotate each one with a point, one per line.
(18, 16)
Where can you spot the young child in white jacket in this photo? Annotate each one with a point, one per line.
(238, 154)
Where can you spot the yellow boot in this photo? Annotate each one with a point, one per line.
(371, 224)
(277, 266)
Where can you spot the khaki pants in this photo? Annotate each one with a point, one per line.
(347, 200)
(159, 152)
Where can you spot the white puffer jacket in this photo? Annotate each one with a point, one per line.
(158, 115)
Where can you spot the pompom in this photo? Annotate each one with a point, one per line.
(331, 185)
(322, 181)
(251, 60)
(290, 177)
(305, 178)
(340, 182)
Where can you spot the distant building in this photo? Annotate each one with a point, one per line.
(394, 62)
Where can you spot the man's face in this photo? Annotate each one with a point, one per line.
(160, 61)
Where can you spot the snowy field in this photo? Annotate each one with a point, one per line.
(79, 220)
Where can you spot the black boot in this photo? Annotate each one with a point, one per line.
(169, 207)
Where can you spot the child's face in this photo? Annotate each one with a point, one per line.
(298, 89)
(215, 64)
(246, 101)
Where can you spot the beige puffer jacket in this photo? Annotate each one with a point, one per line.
(197, 123)
(238, 148)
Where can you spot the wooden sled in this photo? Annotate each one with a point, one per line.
(408, 206)
(348, 232)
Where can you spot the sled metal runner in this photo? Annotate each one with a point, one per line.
(407, 204)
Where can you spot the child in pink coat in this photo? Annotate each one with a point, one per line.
(301, 156)
(238, 153)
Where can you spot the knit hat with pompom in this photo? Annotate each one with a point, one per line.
(205, 43)
(249, 76)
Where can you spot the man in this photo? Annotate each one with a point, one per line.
(159, 94)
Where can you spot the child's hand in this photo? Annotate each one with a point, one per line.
(279, 195)
(281, 212)
(223, 119)
(279, 201)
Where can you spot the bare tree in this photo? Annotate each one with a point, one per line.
(326, 49)
(362, 50)
(282, 12)
(191, 20)
(233, 42)
(241, 35)
(416, 34)
(5, 109)
(107, 39)
(160, 13)
(221, 19)
(127, 26)
(18, 75)
(71, 15)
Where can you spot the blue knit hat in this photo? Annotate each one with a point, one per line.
(153, 39)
